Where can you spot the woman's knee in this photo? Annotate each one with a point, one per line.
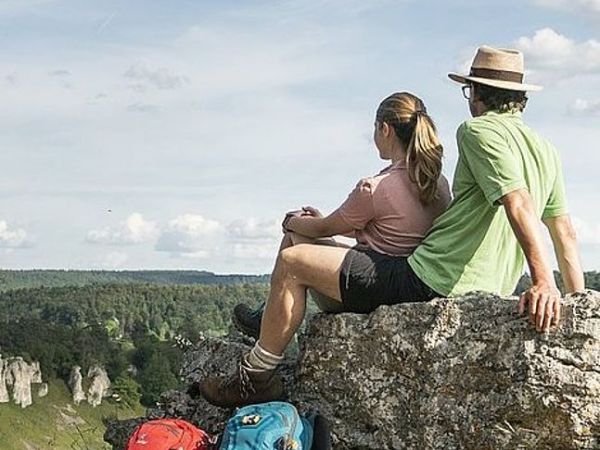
(292, 256)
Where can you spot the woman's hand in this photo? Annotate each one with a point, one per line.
(311, 212)
(306, 211)
(288, 216)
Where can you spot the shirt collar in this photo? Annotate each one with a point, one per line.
(508, 114)
(398, 165)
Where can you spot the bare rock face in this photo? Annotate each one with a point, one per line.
(99, 385)
(4, 396)
(76, 385)
(18, 375)
(466, 373)
(208, 357)
(43, 390)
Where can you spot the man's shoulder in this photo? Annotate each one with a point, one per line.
(478, 128)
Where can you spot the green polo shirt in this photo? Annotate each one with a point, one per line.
(471, 246)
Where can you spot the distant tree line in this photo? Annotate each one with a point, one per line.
(17, 279)
(592, 281)
(164, 311)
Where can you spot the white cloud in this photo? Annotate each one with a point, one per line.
(12, 237)
(160, 78)
(189, 235)
(143, 108)
(583, 6)
(580, 106)
(134, 230)
(587, 233)
(254, 239)
(254, 229)
(551, 56)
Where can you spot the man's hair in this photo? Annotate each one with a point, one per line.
(502, 100)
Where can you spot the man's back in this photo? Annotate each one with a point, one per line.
(472, 246)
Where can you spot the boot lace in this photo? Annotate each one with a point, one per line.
(241, 378)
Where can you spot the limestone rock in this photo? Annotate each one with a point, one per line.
(99, 385)
(36, 372)
(466, 373)
(19, 375)
(76, 385)
(118, 431)
(210, 356)
(4, 396)
(43, 390)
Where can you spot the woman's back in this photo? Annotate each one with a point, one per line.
(387, 214)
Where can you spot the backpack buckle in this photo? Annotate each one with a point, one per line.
(251, 419)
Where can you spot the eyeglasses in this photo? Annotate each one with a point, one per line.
(466, 91)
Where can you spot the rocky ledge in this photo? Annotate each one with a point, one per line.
(464, 373)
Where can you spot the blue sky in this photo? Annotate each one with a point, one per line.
(147, 134)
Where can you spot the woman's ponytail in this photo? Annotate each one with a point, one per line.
(424, 157)
(414, 128)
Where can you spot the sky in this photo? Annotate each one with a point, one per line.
(175, 135)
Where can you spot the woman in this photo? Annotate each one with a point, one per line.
(388, 214)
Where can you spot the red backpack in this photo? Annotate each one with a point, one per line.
(168, 434)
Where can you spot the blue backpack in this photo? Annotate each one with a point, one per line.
(268, 426)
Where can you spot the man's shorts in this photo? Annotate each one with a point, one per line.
(369, 279)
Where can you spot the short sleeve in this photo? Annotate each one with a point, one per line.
(557, 201)
(358, 209)
(490, 160)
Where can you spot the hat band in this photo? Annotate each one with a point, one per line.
(501, 75)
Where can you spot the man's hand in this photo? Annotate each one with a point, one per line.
(542, 301)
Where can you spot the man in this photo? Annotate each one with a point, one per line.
(507, 178)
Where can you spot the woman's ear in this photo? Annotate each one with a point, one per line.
(385, 129)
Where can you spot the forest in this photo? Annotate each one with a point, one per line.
(119, 326)
(126, 321)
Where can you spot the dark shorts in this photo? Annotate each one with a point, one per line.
(369, 279)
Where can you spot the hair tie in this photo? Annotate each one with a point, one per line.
(418, 112)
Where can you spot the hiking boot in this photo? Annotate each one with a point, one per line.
(244, 387)
(247, 320)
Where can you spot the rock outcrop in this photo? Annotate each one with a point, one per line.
(99, 385)
(4, 395)
(97, 380)
(76, 385)
(465, 373)
(43, 390)
(17, 376)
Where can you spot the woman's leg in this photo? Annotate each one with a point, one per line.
(323, 302)
(247, 320)
(296, 269)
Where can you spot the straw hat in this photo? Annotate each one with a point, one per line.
(497, 67)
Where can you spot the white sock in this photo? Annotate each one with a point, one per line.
(261, 359)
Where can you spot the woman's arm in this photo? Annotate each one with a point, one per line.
(564, 240)
(317, 227)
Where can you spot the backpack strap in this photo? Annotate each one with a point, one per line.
(321, 431)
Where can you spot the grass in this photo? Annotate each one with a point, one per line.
(55, 423)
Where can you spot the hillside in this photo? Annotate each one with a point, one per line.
(17, 279)
(53, 422)
(163, 310)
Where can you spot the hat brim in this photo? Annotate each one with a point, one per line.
(509, 85)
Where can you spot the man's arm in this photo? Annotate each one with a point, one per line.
(543, 298)
(564, 240)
